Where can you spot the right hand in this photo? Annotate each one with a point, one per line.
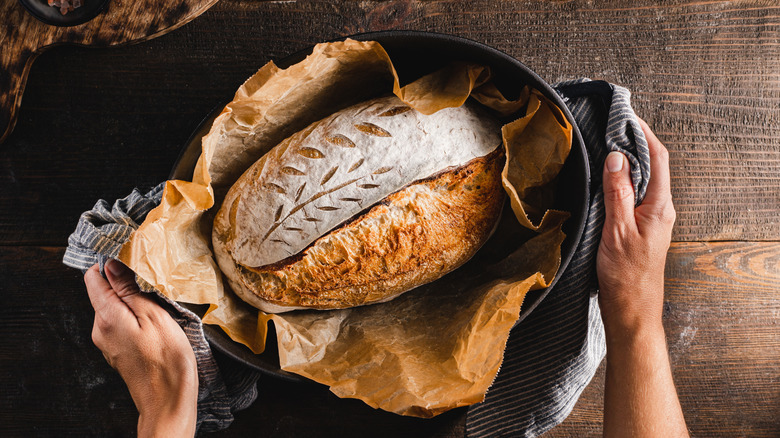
(634, 241)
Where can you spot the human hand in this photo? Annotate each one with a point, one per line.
(634, 242)
(639, 395)
(147, 347)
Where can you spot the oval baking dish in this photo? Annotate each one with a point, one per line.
(414, 54)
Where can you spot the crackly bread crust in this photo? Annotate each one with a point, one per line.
(402, 180)
(413, 237)
(332, 170)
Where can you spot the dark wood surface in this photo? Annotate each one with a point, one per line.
(97, 122)
(23, 37)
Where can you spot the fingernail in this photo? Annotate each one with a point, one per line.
(614, 162)
(115, 267)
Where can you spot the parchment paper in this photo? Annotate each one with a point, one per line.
(432, 349)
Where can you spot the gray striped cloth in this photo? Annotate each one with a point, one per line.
(552, 354)
(100, 233)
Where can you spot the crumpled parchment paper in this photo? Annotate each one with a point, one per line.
(432, 349)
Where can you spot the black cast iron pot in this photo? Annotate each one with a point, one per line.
(415, 54)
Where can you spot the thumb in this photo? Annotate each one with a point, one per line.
(618, 193)
(122, 280)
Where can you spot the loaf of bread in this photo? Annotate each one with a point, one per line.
(361, 206)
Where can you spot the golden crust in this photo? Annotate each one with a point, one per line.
(329, 172)
(413, 237)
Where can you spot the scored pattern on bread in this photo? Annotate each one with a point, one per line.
(372, 129)
(340, 140)
(412, 237)
(355, 166)
(327, 173)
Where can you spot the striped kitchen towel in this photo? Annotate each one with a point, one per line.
(100, 233)
(552, 354)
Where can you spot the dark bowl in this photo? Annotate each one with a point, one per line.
(41, 10)
(415, 54)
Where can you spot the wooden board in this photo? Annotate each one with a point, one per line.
(23, 37)
(55, 382)
(721, 317)
(705, 75)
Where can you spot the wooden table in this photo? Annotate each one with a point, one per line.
(95, 123)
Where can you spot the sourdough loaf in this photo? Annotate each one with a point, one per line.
(361, 206)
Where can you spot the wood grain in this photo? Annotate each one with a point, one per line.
(722, 320)
(55, 382)
(721, 316)
(705, 75)
(23, 38)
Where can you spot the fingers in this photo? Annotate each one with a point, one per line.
(657, 208)
(618, 194)
(110, 310)
(101, 295)
(122, 280)
(659, 186)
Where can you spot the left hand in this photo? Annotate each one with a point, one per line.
(147, 347)
(634, 243)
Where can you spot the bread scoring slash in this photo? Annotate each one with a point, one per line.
(361, 206)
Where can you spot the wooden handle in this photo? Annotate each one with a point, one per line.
(23, 37)
(13, 75)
